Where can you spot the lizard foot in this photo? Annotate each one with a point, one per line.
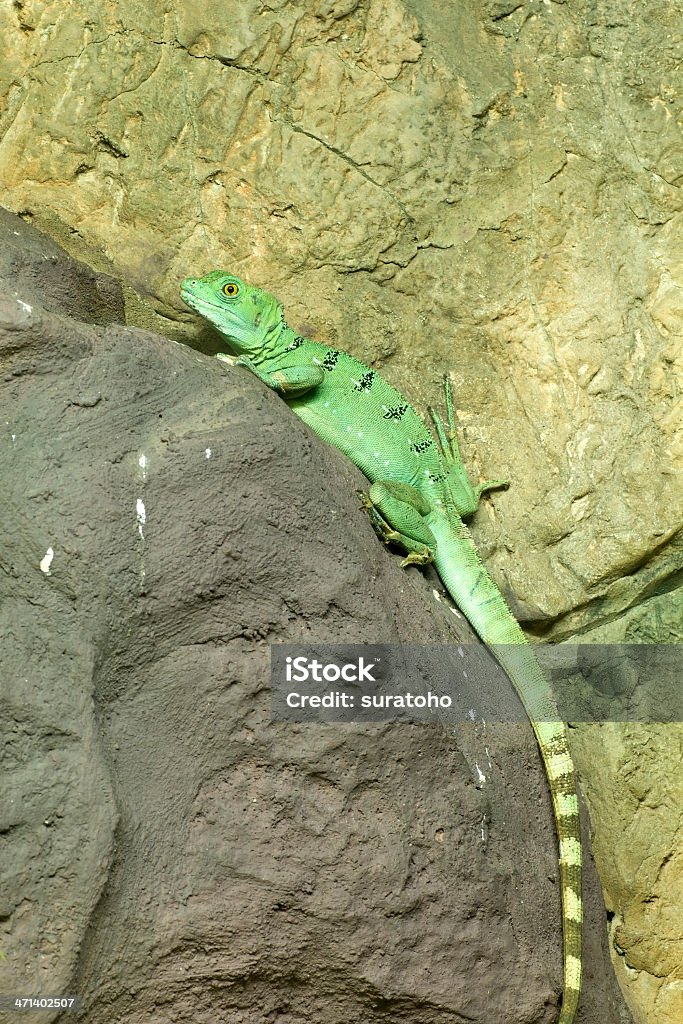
(466, 495)
(381, 528)
(417, 551)
(418, 558)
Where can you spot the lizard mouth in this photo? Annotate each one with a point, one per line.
(220, 316)
(195, 303)
(202, 304)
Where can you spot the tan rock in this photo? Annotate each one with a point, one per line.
(633, 784)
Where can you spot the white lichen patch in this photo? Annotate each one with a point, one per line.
(143, 463)
(25, 306)
(140, 515)
(46, 561)
(207, 453)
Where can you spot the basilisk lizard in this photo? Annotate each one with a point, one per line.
(419, 495)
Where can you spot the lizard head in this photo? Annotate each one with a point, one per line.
(247, 317)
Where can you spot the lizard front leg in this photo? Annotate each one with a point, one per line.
(288, 381)
(397, 513)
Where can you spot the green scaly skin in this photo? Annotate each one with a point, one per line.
(418, 498)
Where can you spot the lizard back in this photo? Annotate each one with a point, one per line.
(362, 415)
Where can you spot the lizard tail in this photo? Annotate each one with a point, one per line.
(475, 593)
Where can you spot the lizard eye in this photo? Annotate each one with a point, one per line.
(231, 289)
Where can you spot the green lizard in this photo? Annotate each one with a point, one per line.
(419, 495)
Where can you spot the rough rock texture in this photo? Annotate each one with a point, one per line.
(167, 851)
(489, 188)
(36, 271)
(642, 873)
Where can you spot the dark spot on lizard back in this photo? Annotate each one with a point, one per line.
(365, 383)
(395, 412)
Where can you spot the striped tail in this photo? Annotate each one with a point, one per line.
(475, 593)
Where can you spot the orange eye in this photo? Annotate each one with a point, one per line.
(231, 289)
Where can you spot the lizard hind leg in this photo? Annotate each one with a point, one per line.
(466, 495)
(397, 513)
